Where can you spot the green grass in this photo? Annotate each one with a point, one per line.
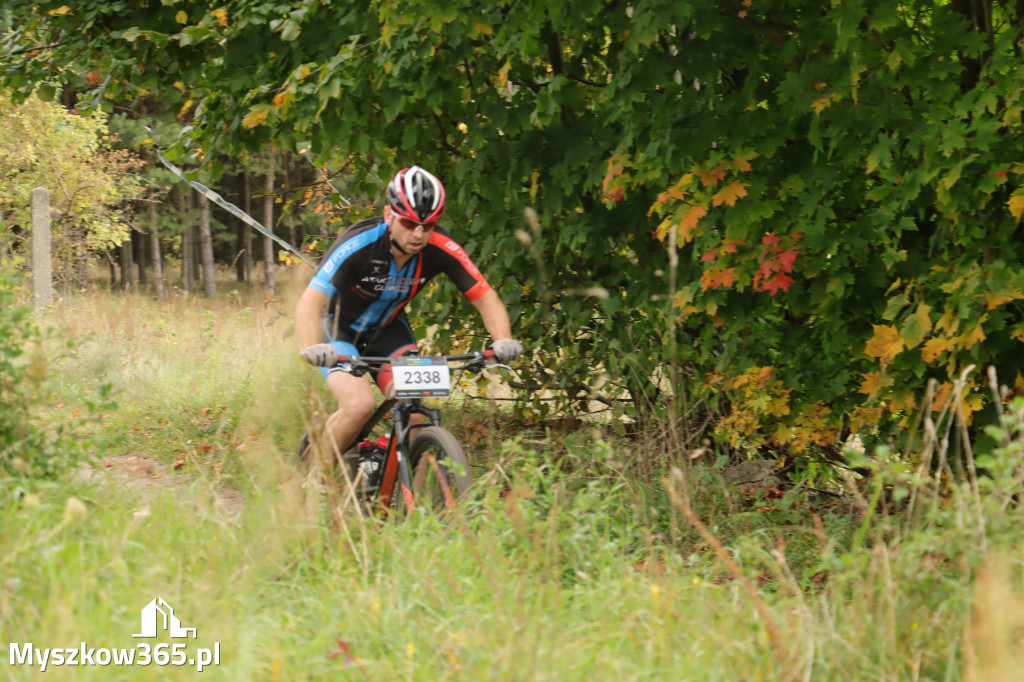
(586, 570)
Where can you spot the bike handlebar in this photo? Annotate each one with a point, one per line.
(479, 355)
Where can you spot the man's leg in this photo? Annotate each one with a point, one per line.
(355, 405)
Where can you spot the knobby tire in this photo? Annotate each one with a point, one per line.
(441, 473)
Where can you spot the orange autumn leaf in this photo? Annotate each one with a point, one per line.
(713, 279)
(730, 245)
(885, 345)
(729, 194)
(688, 221)
(742, 162)
(773, 284)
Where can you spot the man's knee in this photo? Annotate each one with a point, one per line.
(356, 406)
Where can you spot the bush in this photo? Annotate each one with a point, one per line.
(28, 447)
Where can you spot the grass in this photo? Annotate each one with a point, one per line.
(584, 570)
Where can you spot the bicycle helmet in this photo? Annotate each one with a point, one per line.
(416, 194)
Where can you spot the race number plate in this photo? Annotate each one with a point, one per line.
(417, 377)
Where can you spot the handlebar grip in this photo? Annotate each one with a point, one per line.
(489, 354)
(342, 358)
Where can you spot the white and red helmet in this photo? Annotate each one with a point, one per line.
(416, 194)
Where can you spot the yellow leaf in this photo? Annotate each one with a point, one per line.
(968, 339)
(904, 402)
(933, 348)
(729, 194)
(885, 345)
(280, 99)
(181, 17)
(179, 85)
(825, 101)
(255, 117)
(946, 322)
(872, 384)
(221, 15)
(682, 298)
(480, 29)
(662, 230)
(995, 300)
(64, 9)
(941, 397)
(1016, 205)
(184, 108)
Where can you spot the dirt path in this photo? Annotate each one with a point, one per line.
(147, 477)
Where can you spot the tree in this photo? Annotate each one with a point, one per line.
(43, 145)
(811, 209)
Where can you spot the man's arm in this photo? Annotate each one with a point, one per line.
(307, 317)
(494, 315)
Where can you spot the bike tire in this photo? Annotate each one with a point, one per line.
(441, 473)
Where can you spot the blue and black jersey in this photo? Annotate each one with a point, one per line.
(368, 292)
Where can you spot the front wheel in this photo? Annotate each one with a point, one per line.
(441, 470)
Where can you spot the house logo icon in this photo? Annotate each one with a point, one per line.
(151, 620)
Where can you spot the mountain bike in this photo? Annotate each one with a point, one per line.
(417, 465)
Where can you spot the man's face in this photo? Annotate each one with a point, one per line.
(411, 235)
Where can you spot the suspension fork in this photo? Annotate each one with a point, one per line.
(398, 468)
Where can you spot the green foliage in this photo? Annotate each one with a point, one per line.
(29, 445)
(44, 145)
(838, 186)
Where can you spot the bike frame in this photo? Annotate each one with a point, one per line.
(396, 463)
(397, 470)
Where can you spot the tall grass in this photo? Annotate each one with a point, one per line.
(568, 563)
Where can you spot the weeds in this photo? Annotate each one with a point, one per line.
(578, 555)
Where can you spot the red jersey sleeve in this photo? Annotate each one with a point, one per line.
(456, 263)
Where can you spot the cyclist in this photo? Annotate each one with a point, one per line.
(365, 281)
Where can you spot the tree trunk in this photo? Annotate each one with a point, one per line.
(240, 252)
(156, 256)
(111, 257)
(127, 266)
(268, 222)
(139, 245)
(206, 247)
(187, 269)
(247, 244)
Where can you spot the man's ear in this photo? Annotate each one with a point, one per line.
(387, 214)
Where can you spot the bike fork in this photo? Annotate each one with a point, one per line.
(396, 470)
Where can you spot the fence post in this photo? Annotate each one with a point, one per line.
(42, 265)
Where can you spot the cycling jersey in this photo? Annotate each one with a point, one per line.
(368, 292)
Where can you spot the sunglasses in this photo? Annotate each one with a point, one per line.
(410, 224)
